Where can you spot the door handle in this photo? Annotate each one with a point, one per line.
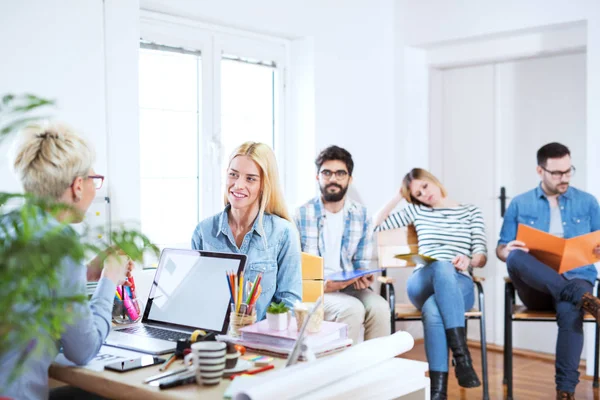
(502, 198)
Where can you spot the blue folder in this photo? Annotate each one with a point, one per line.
(347, 275)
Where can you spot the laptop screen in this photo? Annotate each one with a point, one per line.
(190, 289)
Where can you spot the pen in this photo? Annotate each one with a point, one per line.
(254, 371)
(167, 363)
(178, 381)
(165, 374)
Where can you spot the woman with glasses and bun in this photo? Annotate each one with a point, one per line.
(54, 163)
(454, 235)
(255, 222)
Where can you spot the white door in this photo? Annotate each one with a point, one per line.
(539, 101)
(488, 122)
(462, 155)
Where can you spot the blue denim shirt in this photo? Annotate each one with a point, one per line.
(579, 212)
(273, 250)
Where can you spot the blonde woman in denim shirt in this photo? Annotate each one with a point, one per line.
(255, 222)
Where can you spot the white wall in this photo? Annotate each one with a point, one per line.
(68, 53)
(56, 53)
(427, 24)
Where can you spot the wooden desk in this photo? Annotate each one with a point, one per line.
(128, 385)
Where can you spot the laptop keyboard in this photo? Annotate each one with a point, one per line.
(155, 333)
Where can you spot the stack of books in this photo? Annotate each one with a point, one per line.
(332, 337)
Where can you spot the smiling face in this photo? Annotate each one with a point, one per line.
(243, 182)
(425, 192)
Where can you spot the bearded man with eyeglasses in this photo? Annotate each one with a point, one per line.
(338, 229)
(562, 210)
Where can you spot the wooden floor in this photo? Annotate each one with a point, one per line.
(533, 379)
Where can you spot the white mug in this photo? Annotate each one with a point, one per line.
(208, 359)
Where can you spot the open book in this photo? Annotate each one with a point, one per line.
(560, 254)
(415, 258)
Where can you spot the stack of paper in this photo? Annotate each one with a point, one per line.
(261, 333)
(333, 337)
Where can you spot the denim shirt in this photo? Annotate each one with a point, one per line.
(579, 212)
(273, 249)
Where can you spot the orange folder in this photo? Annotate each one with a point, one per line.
(560, 254)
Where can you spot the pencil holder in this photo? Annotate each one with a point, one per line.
(238, 321)
(127, 311)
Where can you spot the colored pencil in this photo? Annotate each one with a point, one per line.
(229, 285)
(241, 288)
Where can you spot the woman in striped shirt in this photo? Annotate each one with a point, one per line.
(453, 234)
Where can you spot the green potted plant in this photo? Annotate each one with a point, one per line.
(278, 316)
(31, 255)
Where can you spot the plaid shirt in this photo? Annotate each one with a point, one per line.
(357, 239)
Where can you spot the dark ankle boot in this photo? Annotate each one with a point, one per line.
(591, 304)
(466, 375)
(560, 395)
(439, 385)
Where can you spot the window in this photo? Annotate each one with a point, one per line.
(247, 104)
(195, 108)
(169, 131)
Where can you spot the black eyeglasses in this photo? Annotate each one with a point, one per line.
(559, 174)
(340, 173)
(98, 180)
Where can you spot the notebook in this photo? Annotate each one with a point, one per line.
(347, 275)
(260, 333)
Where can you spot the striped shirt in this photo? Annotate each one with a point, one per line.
(443, 233)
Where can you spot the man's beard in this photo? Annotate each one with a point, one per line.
(336, 196)
(554, 189)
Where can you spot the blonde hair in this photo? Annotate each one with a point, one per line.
(271, 198)
(49, 156)
(421, 174)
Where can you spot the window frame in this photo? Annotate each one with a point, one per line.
(212, 41)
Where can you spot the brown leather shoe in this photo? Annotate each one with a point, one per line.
(591, 304)
(560, 395)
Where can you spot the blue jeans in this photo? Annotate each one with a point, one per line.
(443, 295)
(542, 288)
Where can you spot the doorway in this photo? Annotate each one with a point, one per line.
(487, 122)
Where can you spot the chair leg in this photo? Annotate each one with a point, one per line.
(392, 303)
(383, 286)
(482, 335)
(508, 351)
(505, 353)
(596, 346)
(596, 350)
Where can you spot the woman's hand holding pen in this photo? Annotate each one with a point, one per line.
(117, 268)
(461, 262)
(96, 266)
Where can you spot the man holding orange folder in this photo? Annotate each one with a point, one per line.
(564, 212)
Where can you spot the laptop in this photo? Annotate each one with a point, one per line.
(189, 292)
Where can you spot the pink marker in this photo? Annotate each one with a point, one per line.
(133, 314)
